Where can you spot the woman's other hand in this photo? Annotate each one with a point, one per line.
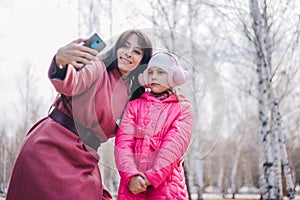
(75, 54)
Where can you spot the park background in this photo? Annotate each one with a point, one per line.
(221, 35)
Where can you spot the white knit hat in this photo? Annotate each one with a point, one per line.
(168, 62)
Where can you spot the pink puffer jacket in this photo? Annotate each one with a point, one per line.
(151, 138)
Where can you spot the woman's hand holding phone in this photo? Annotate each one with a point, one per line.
(77, 54)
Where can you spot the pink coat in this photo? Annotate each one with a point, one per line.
(151, 138)
(53, 163)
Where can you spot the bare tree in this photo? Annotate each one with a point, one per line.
(89, 13)
(96, 16)
(272, 165)
(27, 112)
(4, 141)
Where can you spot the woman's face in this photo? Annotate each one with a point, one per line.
(129, 55)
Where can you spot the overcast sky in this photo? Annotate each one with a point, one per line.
(33, 30)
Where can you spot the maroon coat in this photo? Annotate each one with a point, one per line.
(53, 163)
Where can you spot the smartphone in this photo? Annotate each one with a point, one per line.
(95, 42)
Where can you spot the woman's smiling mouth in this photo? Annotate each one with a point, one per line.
(125, 60)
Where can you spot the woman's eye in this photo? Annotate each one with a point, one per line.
(137, 52)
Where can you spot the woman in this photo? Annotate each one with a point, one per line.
(58, 158)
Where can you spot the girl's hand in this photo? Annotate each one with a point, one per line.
(75, 54)
(137, 184)
(145, 179)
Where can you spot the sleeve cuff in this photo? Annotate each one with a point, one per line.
(56, 72)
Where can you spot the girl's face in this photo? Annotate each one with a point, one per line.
(129, 55)
(158, 79)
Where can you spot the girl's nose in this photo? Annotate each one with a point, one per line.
(153, 77)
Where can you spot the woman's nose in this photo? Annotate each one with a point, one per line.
(128, 52)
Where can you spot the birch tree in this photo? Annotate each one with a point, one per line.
(272, 165)
(235, 167)
(4, 141)
(89, 20)
(30, 101)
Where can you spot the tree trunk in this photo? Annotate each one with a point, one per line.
(272, 165)
(234, 169)
(263, 111)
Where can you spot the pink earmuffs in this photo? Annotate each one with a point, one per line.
(168, 62)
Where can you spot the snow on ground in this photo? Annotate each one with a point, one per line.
(219, 196)
(207, 196)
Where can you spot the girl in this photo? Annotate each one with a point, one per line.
(58, 158)
(154, 134)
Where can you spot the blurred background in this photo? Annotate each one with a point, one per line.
(247, 131)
